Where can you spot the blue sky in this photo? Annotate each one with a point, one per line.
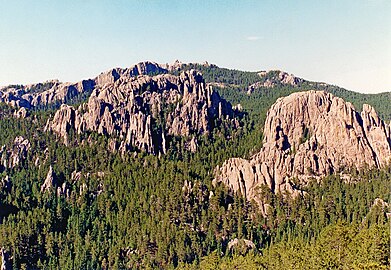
(347, 43)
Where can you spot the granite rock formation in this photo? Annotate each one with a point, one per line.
(269, 79)
(242, 245)
(16, 154)
(52, 92)
(140, 112)
(50, 181)
(309, 135)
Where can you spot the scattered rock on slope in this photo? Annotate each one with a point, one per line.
(309, 134)
(241, 246)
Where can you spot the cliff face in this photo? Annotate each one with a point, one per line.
(140, 111)
(309, 134)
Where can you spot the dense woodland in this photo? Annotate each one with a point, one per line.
(143, 211)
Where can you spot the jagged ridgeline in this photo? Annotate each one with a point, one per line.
(140, 112)
(51, 94)
(85, 182)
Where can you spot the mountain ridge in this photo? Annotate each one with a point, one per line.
(89, 204)
(31, 95)
(130, 108)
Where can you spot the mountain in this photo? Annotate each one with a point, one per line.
(119, 172)
(54, 92)
(141, 111)
(309, 135)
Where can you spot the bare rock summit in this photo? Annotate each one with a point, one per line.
(53, 92)
(309, 135)
(140, 112)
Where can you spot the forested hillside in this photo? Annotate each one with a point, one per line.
(234, 84)
(102, 209)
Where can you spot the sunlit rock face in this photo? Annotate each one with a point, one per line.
(141, 110)
(309, 134)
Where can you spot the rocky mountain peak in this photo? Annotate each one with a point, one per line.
(51, 92)
(309, 135)
(140, 112)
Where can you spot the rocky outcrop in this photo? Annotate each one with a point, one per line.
(52, 92)
(140, 112)
(37, 95)
(50, 181)
(142, 68)
(240, 246)
(274, 78)
(16, 154)
(5, 183)
(309, 135)
(21, 113)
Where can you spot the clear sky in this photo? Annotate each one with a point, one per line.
(344, 42)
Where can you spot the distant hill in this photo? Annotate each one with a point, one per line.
(260, 84)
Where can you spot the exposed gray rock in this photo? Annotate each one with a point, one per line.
(51, 92)
(36, 163)
(193, 145)
(12, 157)
(21, 113)
(309, 135)
(75, 176)
(36, 95)
(240, 245)
(63, 190)
(5, 183)
(384, 206)
(50, 181)
(273, 78)
(139, 112)
(83, 189)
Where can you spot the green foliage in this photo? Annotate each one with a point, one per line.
(134, 210)
(236, 83)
